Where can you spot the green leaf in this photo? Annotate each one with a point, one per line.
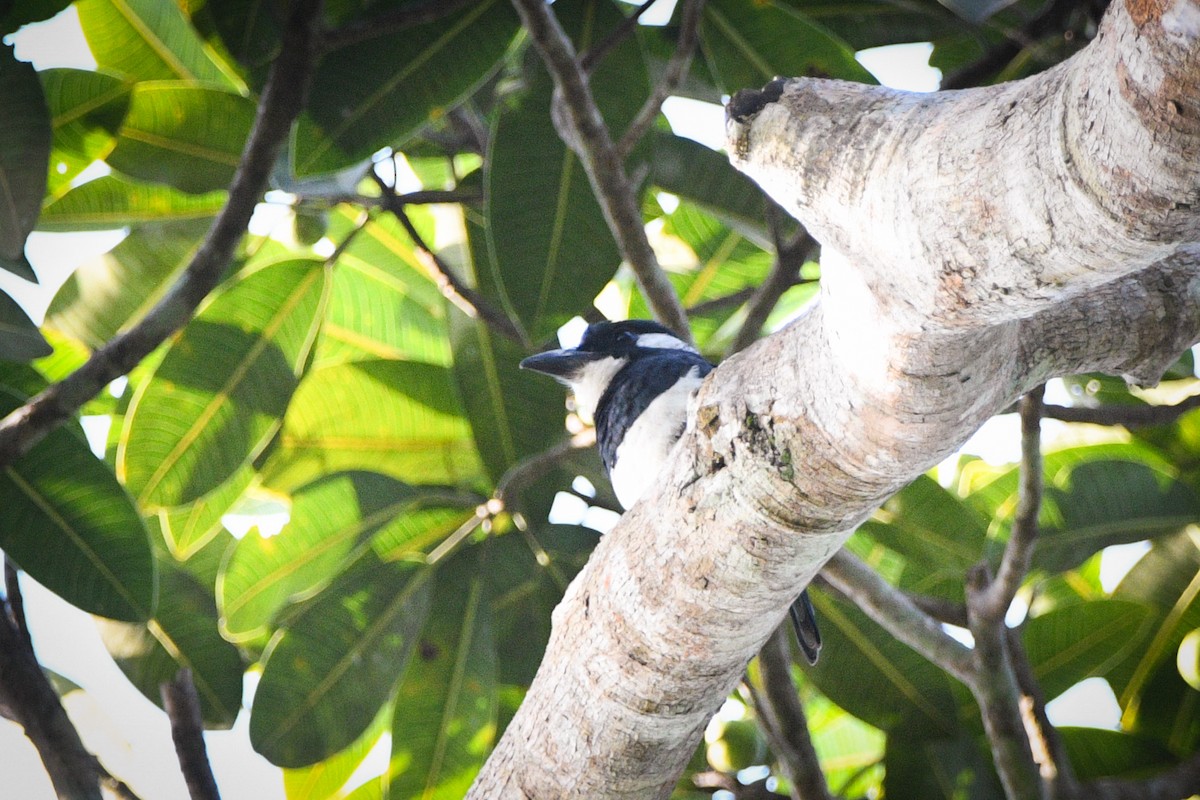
(445, 718)
(706, 178)
(399, 418)
(326, 675)
(112, 201)
(549, 248)
(1068, 645)
(150, 40)
(330, 518)
(513, 414)
(942, 769)
(68, 523)
(846, 746)
(748, 44)
(327, 779)
(106, 293)
(876, 23)
(1102, 503)
(908, 694)
(190, 137)
(382, 304)
(25, 136)
(359, 108)
(183, 633)
(1096, 753)
(188, 528)
(20, 339)
(86, 110)
(1167, 581)
(220, 392)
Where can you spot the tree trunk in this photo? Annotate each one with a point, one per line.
(989, 239)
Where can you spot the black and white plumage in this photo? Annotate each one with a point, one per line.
(634, 379)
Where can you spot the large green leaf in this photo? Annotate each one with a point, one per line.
(1096, 753)
(399, 418)
(445, 706)
(20, 339)
(1102, 503)
(326, 780)
(330, 518)
(378, 92)
(183, 633)
(104, 294)
(942, 769)
(25, 137)
(326, 675)
(513, 414)
(150, 40)
(706, 178)
(220, 392)
(68, 523)
(86, 110)
(190, 137)
(748, 44)
(188, 528)
(876, 23)
(113, 201)
(382, 304)
(1068, 645)
(846, 746)
(549, 248)
(908, 694)
(1167, 581)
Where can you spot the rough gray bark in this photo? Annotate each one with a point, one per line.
(989, 239)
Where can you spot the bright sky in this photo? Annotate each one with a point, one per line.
(127, 731)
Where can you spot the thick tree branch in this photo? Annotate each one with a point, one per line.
(453, 288)
(786, 724)
(590, 139)
(676, 71)
(182, 705)
(1051, 233)
(282, 99)
(1048, 749)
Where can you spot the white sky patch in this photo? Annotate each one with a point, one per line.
(57, 42)
(902, 66)
(1087, 704)
(1117, 560)
(697, 120)
(571, 332)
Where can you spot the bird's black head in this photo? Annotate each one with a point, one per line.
(622, 341)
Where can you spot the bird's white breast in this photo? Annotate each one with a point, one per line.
(648, 442)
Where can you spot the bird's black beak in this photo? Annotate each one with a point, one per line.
(561, 364)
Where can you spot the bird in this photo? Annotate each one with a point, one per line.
(633, 379)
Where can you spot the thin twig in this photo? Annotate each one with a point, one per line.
(471, 302)
(589, 137)
(1177, 783)
(182, 705)
(785, 273)
(787, 725)
(522, 474)
(1129, 416)
(391, 22)
(897, 614)
(718, 303)
(282, 98)
(593, 56)
(16, 601)
(1049, 751)
(1018, 552)
(677, 69)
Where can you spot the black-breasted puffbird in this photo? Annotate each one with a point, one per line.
(633, 379)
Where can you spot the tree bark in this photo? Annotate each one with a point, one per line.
(989, 239)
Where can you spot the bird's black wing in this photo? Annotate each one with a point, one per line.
(633, 389)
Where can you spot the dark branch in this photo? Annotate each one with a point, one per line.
(993, 604)
(1177, 783)
(1048, 750)
(182, 705)
(588, 136)
(391, 22)
(786, 724)
(282, 98)
(1129, 416)
(453, 288)
(785, 273)
(592, 57)
(677, 69)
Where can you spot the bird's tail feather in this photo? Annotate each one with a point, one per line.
(804, 620)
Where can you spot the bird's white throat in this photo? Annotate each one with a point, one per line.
(588, 387)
